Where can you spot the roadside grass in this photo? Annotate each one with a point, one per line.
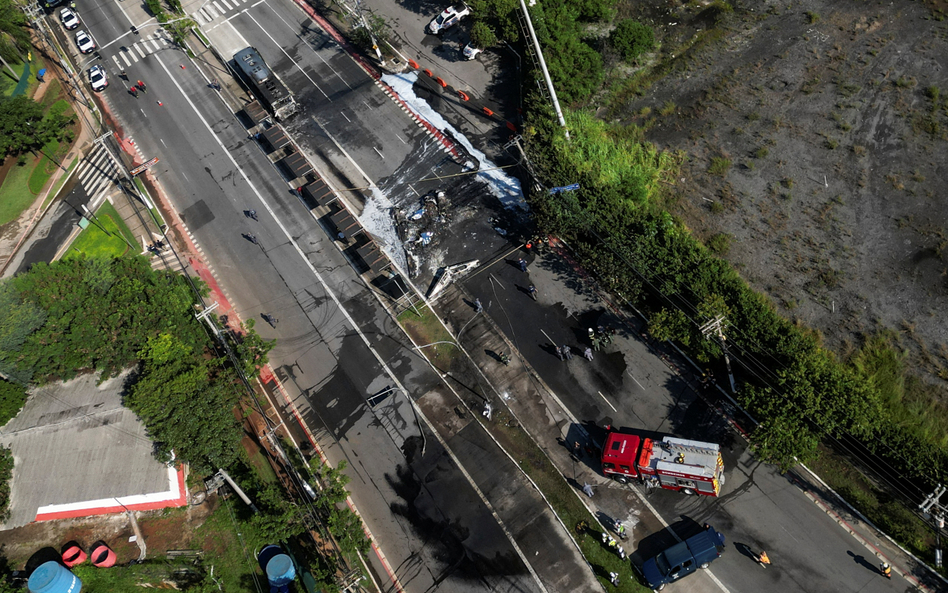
(54, 191)
(15, 192)
(44, 167)
(152, 573)
(425, 329)
(94, 242)
(223, 538)
(565, 502)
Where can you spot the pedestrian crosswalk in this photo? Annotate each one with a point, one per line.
(96, 174)
(215, 8)
(128, 55)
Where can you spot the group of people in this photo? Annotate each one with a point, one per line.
(138, 86)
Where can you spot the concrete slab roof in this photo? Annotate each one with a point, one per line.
(78, 451)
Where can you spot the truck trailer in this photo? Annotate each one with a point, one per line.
(690, 467)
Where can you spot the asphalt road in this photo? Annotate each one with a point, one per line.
(628, 385)
(434, 529)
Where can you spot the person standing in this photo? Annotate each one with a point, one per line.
(588, 489)
(523, 264)
(478, 307)
(886, 570)
(567, 352)
(588, 353)
(533, 292)
(614, 578)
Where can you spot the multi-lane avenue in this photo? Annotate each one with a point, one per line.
(441, 514)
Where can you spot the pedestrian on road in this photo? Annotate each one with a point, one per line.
(588, 489)
(619, 528)
(559, 352)
(765, 560)
(577, 449)
(488, 410)
(533, 292)
(523, 264)
(505, 359)
(252, 213)
(886, 570)
(253, 239)
(614, 578)
(142, 86)
(134, 91)
(478, 307)
(588, 353)
(567, 352)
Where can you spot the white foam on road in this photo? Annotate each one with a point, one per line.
(504, 187)
(376, 218)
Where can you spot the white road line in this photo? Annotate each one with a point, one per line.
(225, 3)
(125, 57)
(343, 151)
(607, 401)
(295, 63)
(400, 138)
(218, 7)
(636, 380)
(380, 154)
(207, 17)
(312, 49)
(346, 116)
(115, 59)
(156, 43)
(212, 12)
(140, 51)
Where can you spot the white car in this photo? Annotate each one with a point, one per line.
(84, 42)
(69, 19)
(451, 16)
(470, 51)
(97, 78)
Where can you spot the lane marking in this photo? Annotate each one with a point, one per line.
(139, 50)
(218, 7)
(346, 154)
(636, 380)
(346, 116)
(607, 401)
(380, 154)
(295, 63)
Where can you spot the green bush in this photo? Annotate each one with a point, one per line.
(720, 243)
(482, 35)
(6, 472)
(631, 39)
(12, 398)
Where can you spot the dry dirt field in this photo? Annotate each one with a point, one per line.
(815, 136)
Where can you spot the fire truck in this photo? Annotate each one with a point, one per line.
(674, 464)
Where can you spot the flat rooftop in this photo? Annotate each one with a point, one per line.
(79, 452)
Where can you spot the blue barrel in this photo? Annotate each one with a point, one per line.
(280, 570)
(52, 577)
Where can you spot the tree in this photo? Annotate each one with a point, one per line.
(20, 125)
(6, 473)
(482, 35)
(12, 398)
(14, 38)
(186, 403)
(277, 519)
(631, 38)
(250, 348)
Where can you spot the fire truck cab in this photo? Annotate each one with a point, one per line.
(672, 463)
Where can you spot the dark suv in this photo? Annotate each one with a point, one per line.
(683, 558)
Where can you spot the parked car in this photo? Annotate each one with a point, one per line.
(84, 42)
(683, 558)
(69, 19)
(470, 51)
(97, 78)
(451, 16)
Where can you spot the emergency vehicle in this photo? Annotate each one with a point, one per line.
(674, 464)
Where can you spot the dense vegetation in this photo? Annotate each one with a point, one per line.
(25, 125)
(801, 393)
(12, 398)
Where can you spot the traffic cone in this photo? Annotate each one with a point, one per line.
(160, 104)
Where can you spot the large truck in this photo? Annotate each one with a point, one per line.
(690, 467)
(265, 85)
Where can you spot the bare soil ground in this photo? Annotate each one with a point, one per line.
(831, 172)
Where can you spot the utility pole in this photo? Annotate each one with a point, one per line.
(938, 518)
(715, 326)
(546, 73)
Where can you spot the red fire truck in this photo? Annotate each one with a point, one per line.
(675, 464)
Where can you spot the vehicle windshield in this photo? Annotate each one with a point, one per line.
(440, 19)
(662, 564)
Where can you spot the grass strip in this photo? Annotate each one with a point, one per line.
(104, 236)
